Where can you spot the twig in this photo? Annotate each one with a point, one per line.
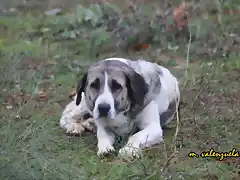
(213, 69)
(165, 150)
(177, 104)
(178, 121)
(187, 58)
(167, 162)
(12, 68)
(175, 138)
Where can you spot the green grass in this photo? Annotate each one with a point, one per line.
(34, 60)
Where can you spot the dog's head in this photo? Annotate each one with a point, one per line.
(111, 87)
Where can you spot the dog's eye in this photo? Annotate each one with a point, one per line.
(95, 84)
(115, 85)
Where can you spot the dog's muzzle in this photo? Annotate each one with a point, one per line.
(103, 109)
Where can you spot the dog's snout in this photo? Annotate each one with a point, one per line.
(103, 109)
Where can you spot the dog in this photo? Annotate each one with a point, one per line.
(123, 97)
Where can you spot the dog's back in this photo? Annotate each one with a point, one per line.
(169, 87)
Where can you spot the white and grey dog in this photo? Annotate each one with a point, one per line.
(121, 95)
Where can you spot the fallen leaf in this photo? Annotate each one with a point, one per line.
(18, 98)
(179, 16)
(72, 93)
(42, 95)
(51, 62)
(138, 47)
(8, 100)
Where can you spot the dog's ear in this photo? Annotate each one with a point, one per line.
(137, 87)
(80, 88)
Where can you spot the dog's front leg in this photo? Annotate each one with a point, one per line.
(150, 134)
(105, 140)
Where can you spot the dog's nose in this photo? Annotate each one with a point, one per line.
(103, 109)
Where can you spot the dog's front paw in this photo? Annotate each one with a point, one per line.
(129, 152)
(75, 128)
(104, 149)
(89, 125)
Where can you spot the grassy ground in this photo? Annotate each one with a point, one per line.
(42, 57)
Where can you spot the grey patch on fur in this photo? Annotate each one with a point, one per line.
(135, 65)
(87, 116)
(172, 109)
(154, 83)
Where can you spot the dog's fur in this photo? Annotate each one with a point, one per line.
(139, 94)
